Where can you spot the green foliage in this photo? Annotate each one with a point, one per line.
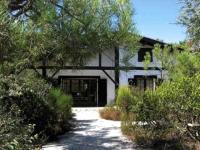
(32, 98)
(61, 104)
(67, 31)
(14, 134)
(177, 60)
(190, 17)
(127, 98)
(187, 64)
(170, 113)
(127, 102)
(165, 58)
(147, 60)
(124, 98)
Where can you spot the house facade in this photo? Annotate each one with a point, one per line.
(95, 83)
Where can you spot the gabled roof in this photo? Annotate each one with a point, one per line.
(150, 41)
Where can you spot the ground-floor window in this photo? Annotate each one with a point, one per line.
(86, 91)
(143, 82)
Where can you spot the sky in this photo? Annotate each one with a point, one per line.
(157, 19)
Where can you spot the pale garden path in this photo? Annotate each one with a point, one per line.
(92, 133)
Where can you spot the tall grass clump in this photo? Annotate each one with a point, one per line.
(127, 102)
(61, 104)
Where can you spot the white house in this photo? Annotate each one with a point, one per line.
(95, 83)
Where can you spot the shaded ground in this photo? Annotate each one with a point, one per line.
(92, 133)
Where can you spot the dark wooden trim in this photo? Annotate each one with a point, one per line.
(76, 77)
(44, 71)
(100, 57)
(146, 40)
(143, 76)
(70, 84)
(96, 68)
(116, 67)
(110, 78)
(55, 73)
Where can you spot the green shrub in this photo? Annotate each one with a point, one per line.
(170, 113)
(127, 98)
(34, 108)
(32, 96)
(61, 104)
(14, 134)
(60, 101)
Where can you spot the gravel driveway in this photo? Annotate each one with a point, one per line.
(92, 133)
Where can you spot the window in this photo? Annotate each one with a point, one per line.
(65, 84)
(143, 82)
(142, 52)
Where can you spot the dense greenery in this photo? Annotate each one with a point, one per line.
(14, 134)
(35, 33)
(168, 117)
(190, 18)
(64, 31)
(40, 111)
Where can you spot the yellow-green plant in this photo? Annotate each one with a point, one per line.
(61, 103)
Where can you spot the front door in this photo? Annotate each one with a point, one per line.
(83, 91)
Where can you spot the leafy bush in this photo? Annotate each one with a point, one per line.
(14, 134)
(33, 97)
(110, 113)
(170, 113)
(127, 97)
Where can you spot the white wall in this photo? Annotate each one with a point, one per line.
(107, 59)
(134, 60)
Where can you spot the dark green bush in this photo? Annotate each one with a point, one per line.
(13, 133)
(33, 97)
(61, 104)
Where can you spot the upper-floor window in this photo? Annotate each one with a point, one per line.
(142, 52)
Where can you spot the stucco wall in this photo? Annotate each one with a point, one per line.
(134, 60)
